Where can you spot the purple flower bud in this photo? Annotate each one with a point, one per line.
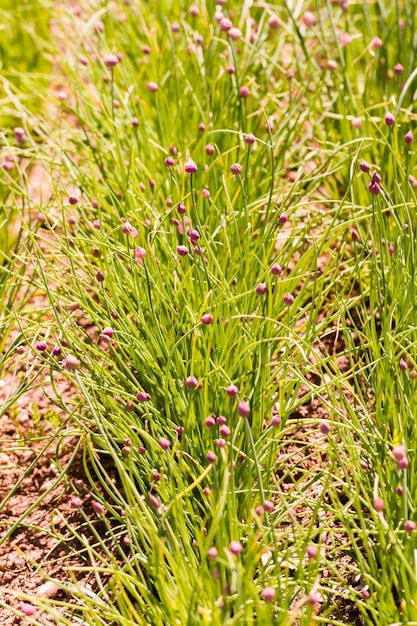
(364, 166)
(409, 526)
(191, 382)
(56, 351)
(232, 391)
(288, 299)
(154, 501)
(169, 162)
(212, 553)
(142, 396)
(243, 409)
(224, 431)
(194, 236)
(376, 43)
(389, 119)
(190, 167)
(235, 34)
(378, 505)
(236, 169)
(206, 319)
(71, 363)
(98, 508)
(283, 218)
(28, 609)
(221, 420)
(76, 502)
(250, 139)
(108, 331)
(268, 506)
(403, 365)
(96, 224)
(73, 200)
(235, 547)
(152, 87)
(164, 443)
(274, 22)
(220, 443)
(398, 68)
(399, 452)
(41, 346)
(325, 427)
(182, 250)
(311, 551)
(309, 19)
(408, 138)
(276, 270)
(376, 178)
(225, 24)
(261, 289)
(244, 92)
(275, 421)
(211, 457)
(210, 421)
(402, 464)
(268, 594)
(210, 149)
(374, 188)
(111, 60)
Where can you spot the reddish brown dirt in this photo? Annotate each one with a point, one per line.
(31, 462)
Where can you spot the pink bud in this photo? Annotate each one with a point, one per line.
(154, 501)
(399, 452)
(210, 421)
(268, 506)
(244, 92)
(142, 396)
(268, 594)
(250, 139)
(232, 391)
(243, 409)
(190, 167)
(409, 526)
(408, 138)
(71, 363)
(225, 24)
(73, 199)
(152, 87)
(76, 502)
(345, 39)
(376, 43)
(235, 547)
(235, 34)
(206, 319)
(325, 427)
(308, 19)
(236, 169)
(402, 464)
(210, 149)
(182, 250)
(28, 609)
(164, 443)
(331, 65)
(98, 508)
(398, 69)
(311, 551)
(274, 22)
(111, 60)
(211, 457)
(212, 553)
(288, 299)
(169, 162)
(191, 382)
(276, 270)
(389, 119)
(378, 504)
(224, 431)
